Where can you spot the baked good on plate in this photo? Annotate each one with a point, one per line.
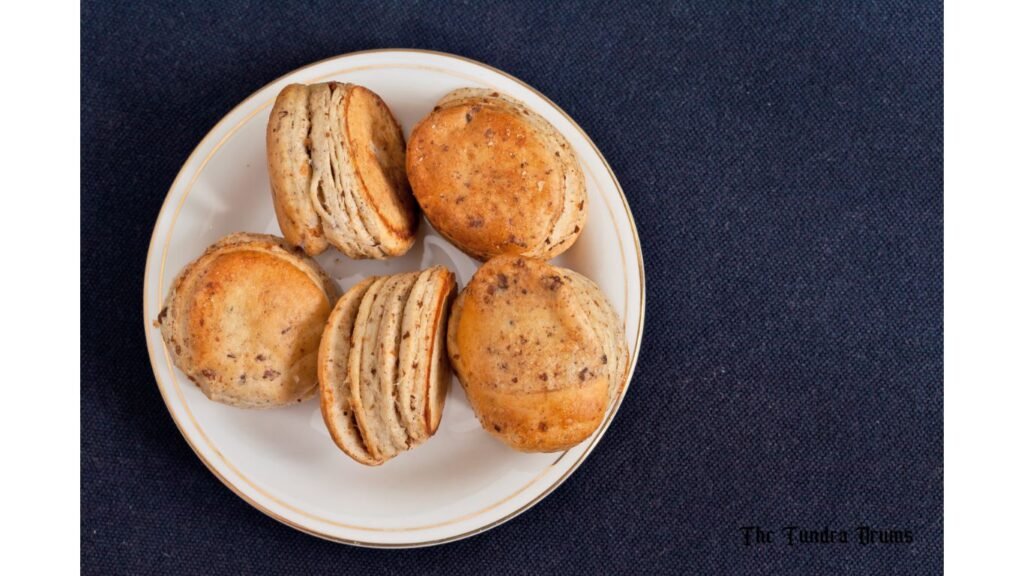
(539, 352)
(244, 320)
(494, 177)
(336, 157)
(382, 368)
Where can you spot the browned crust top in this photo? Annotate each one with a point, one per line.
(486, 178)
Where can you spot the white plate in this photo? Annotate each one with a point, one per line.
(462, 481)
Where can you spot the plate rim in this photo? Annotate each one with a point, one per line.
(527, 505)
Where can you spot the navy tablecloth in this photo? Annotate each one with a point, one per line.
(784, 165)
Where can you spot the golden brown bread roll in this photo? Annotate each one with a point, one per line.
(494, 177)
(539, 359)
(244, 320)
(336, 157)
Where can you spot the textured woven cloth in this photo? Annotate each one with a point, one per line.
(784, 165)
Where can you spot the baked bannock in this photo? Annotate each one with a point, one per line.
(383, 371)
(336, 157)
(494, 177)
(538, 351)
(244, 321)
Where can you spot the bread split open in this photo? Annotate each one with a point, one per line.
(382, 366)
(336, 157)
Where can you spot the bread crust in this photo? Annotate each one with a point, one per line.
(361, 409)
(290, 168)
(569, 224)
(525, 350)
(496, 178)
(244, 321)
(435, 385)
(609, 326)
(377, 150)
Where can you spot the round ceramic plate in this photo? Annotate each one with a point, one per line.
(462, 481)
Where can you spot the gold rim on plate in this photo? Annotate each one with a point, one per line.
(146, 319)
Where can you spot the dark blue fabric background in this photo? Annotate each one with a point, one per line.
(784, 165)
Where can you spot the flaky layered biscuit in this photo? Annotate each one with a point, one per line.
(336, 157)
(495, 178)
(382, 366)
(244, 321)
(533, 362)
